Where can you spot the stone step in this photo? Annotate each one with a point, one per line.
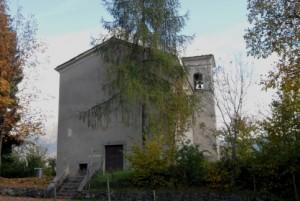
(71, 184)
(69, 187)
(68, 190)
(67, 193)
(75, 178)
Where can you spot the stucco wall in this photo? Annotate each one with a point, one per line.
(204, 118)
(81, 87)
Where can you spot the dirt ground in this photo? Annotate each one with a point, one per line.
(10, 198)
(32, 182)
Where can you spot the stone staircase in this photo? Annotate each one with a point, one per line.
(69, 187)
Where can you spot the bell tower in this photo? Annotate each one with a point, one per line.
(200, 76)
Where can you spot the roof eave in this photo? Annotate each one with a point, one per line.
(83, 55)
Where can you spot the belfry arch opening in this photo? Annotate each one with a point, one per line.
(198, 81)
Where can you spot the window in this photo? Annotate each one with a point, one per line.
(83, 168)
(198, 81)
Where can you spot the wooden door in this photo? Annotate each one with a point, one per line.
(113, 157)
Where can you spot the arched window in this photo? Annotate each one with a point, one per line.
(198, 81)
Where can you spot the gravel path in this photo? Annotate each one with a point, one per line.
(10, 198)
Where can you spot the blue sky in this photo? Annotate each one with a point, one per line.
(66, 27)
(61, 16)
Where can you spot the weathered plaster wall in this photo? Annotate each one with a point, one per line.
(204, 119)
(81, 87)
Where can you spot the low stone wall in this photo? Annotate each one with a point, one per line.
(173, 196)
(141, 195)
(24, 192)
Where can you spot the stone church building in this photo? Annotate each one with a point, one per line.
(82, 149)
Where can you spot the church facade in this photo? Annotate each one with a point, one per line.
(81, 148)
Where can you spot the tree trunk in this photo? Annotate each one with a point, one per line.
(1, 141)
(233, 152)
(144, 127)
(234, 139)
(295, 187)
(254, 184)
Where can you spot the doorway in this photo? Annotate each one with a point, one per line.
(113, 157)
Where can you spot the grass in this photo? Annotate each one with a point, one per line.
(29, 182)
(117, 180)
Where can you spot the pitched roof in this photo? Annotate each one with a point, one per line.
(85, 53)
(114, 39)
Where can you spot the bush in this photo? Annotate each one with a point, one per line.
(13, 167)
(218, 175)
(22, 163)
(189, 169)
(117, 180)
(151, 165)
(50, 167)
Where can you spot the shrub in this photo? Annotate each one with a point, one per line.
(151, 165)
(117, 180)
(50, 167)
(218, 175)
(22, 163)
(13, 167)
(189, 169)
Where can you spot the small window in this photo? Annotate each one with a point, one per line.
(83, 168)
(198, 81)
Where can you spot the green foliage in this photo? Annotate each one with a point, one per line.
(145, 74)
(152, 23)
(278, 160)
(150, 164)
(13, 167)
(22, 163)
(246, 139)
(190, 165)
(50, 167)
(117, 180)
(153, 166)
(218, 175)
(275, 29)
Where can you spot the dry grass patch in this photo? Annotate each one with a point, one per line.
(30, 182)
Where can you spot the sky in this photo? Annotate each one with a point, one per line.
(67, 26)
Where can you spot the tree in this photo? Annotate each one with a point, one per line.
(275, 29)
(147, 73)
(17, 45)
(231, 87)
(281, 144)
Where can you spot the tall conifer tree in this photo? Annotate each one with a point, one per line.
(148, 74)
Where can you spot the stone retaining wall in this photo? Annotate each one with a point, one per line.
(173, 196)
(142, 196)
(24, 192)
